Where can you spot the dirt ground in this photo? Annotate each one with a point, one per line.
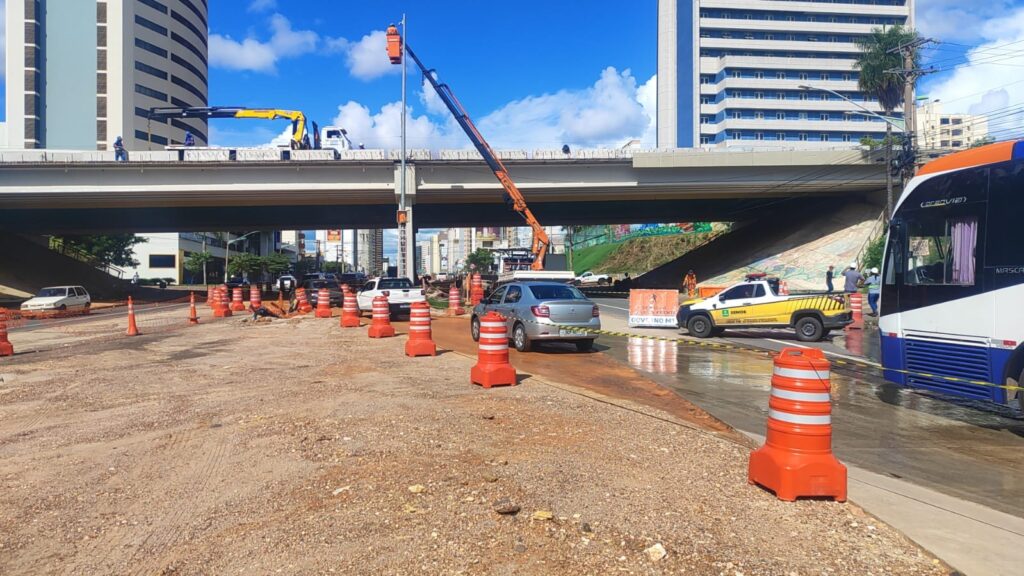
(296, 447)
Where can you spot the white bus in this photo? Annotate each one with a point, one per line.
(952, 299)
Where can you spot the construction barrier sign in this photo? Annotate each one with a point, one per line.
(653, 308)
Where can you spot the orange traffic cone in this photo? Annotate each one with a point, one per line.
(255, 297)
(236, 300)
(323, 303)
(419, 342)
(304, 305)
(454, 301)
(492, 367)
(6, 348)
(381, 326)
(133, 330)
(796, 459)
(192, 317)
(349, 309)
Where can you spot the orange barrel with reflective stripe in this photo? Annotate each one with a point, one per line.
(304, 306)
(380, 325)
(349, 309)
(420, 342)
(857, 304)
(6, 348)
(236, 300)
(323, 303)
(796, 459)
(211, 294)
(454, 301)
(492, 367)
(222, 308)
(255, 298)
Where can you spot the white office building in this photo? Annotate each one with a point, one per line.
(936, 130)
(754, 73)
(82, 72)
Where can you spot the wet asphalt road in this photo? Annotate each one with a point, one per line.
(967, 449)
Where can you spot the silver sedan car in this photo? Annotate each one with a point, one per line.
(541, 311)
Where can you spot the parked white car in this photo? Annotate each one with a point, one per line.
(58, 298)
(400, 292)
(588, 278)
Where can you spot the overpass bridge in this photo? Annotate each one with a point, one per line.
(84, 193)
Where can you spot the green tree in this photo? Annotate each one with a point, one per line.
(873, 253)
(116, 249)
(482, 258)
(276, 263)
(983, 142)
(197, 261)
(245, 263)
(879, 56)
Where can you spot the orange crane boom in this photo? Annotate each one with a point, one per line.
(512, 196)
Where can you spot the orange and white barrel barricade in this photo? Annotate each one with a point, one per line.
(236, 300)
(454, 301)
(492, 367)
(6, 348)
(304, 306)
(222, 308)
(476, 290)
(857, 305)
(796, 459)
(255, 297)
(193, 318)
(380, 326)
(211, 294)
(783, 288)
(420, 342)
(133, 328)
(323, 303)
(349, 309)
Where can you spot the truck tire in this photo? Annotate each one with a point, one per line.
(809, 329)
(700, 326)
(602, 282)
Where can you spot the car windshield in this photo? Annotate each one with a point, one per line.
(395, 284)
(556, 292)
(323, 284)
(51, 292)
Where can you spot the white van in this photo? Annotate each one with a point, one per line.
(58, 298)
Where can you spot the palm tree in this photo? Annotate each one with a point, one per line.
(879, 55)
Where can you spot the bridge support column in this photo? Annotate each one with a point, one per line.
(406, 230)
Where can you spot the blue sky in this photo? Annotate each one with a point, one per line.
(534, 74)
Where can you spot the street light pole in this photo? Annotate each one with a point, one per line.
(403, 266)
(889, 200)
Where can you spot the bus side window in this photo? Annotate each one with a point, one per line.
(941, 249)
(894, 254)
(1006, 205)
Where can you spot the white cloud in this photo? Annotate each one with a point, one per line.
(956, 20)
(963, 90)
(368, 59)
(252, 54)
(262, 5)
(382, 129)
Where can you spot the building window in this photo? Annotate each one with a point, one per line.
(780, 136)
(958, 133)
(736, 74)
(196, 11)
(759, 115)
(803, 75)
(154, 5)
(139, 88)
(150, 25)
(156, 138)
(759, 75)
(825, 76)
(780, 75)
(705, 100)
(737, 135)
(847, 77)
(803, 116)
(758, 135)
(704, 140)
(823, 137)
(780, 96)
(957, 143)
(780, 115)
(803, 137)
(152, 71)
(944, 121)
(162, 260)
(944, 143)
(736, 115)
(150, 48)
(846, 137)
(769, 36)
(759, 95)
(803, 95)
(191, 48)
(825, 116)
(705, 80)
(184, 64)
(195, 91)
(957, 121)
(705, 120)
(201, 35)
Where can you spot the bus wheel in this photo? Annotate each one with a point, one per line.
(809, 329)
(1020, 393)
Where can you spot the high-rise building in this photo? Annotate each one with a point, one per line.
(948, 131)
(371, 251)
(82, 72)
(758, 72)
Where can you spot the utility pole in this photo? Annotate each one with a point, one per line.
(404, 268)
(910, 75)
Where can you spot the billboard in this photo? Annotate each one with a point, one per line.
(653, 308)
(334, 235)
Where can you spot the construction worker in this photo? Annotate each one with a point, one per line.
(854, 279)
(829, 276)
(690, 284)
(190, 140)
(120, 153)
(874, 285)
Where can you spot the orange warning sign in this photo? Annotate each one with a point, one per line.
(654, 308)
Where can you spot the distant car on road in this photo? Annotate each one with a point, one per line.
(355, 280)
(314, 284)
(400, 292)
(236, 282)
(589, 279)
(58, 298)
(541, 311)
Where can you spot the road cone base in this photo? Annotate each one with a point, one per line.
(237, 307)
(416, 348)
(193, 321)
(456, 311)
(221, 312)
(133, 332)
(350, 322)
(381, 331)
(6, 349)
(488, 375)
(323, 313)
(794, 475)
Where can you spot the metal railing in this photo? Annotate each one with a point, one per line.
(59, 246)
(877, 229)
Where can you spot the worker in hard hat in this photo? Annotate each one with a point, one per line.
(853, 279)
(690, 284)
(874, 284)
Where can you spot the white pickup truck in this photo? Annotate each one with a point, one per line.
(589, 278)
(400, 292)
